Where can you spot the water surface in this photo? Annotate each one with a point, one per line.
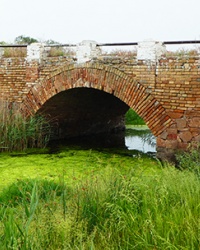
(134, 138)
(140, 138)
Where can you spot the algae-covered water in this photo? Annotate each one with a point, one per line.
(77, 156)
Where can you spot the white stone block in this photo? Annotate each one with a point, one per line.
(35, 51)
(86, 51)
(150, 50)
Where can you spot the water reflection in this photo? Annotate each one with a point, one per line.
(140, 138)
(134, 138)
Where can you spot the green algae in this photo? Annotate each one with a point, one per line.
(72, 162)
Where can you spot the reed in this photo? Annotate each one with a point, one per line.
(17, 133)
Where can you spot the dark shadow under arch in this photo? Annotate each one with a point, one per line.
(84, 111)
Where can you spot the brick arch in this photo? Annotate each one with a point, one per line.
(101, 77)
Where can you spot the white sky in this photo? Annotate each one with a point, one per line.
(71, 21)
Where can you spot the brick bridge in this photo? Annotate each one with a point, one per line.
(90, 92)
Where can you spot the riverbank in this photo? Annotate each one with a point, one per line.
(90, 199)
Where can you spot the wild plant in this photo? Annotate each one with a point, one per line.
(190, 159)
(17, 133)
(15, 52)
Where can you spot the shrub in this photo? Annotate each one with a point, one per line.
(133, 118)
(190, 160)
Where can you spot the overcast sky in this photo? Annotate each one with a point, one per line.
(71, 21)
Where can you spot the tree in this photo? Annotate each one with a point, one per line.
(25, 40)
(2, 43)
(50, 41)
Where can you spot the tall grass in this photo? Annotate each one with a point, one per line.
(18, 133)
(136, 210)
(60, 51)
(15, 52)
(131, 54)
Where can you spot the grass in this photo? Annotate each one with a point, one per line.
(184, 52)
(59, 51)
(86, 199)
(131, 54)
(15, 52)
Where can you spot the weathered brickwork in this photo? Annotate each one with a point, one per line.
(165, 92)
(12, 78)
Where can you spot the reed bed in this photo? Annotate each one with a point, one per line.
(17, 133)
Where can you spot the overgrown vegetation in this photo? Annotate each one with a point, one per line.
(17, 133)
(184, 52)
(190, 159)
(15, 52)
(132, 118)
(99, 201)
(60, 51)
(131, 54)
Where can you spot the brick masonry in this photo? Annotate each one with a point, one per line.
(164, 92)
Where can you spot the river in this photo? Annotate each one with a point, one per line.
(140, 138)
(134, 139)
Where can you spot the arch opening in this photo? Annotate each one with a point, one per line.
(84, 111)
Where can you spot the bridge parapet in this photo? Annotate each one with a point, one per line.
(85, 51)
(88, 50)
